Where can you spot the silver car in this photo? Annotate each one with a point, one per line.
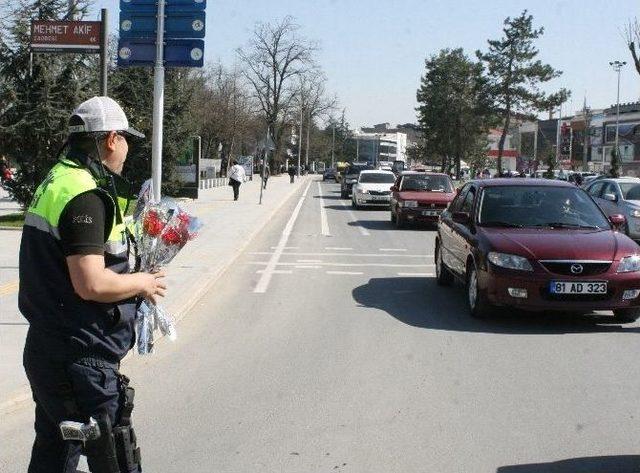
(619, 196)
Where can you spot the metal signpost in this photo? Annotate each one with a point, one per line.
(73, 37)
(161, 33)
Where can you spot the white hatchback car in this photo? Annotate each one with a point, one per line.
(373, 188)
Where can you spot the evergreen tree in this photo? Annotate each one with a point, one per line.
(454, 107)
(36, 95)
(516, 74)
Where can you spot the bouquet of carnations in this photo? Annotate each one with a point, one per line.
(161, 230)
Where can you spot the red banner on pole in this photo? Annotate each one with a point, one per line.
(65, 36)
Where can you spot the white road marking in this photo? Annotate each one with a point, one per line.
(392, 249)
(348, 265)
(286, 247)
(368, 255)
(417, 275)
(346, 273)
(336, 248)
(275, 271)
(307, 266)
(324, 223)
(309, 261)
(265, 279)
(363, 231)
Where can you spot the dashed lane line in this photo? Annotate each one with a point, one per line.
(308, 266)
(363, 231)
(349, 265)
(337, 248)
(324, 223)
(345, 273)
(368, 255)
(9, 288)
(275, 271)
(393, 249)
(416, 275)
(265, 279)
(309, 261)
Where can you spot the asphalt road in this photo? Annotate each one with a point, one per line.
(328, 347)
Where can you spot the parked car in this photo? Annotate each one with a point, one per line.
(350, 177)
(619, 196)
(537, 245)
(329, 174)
(373, 188)
(420, 197)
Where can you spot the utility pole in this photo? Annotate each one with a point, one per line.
(617, 66)
(306, 152)
(301, 120)
(558, 136)
(158, 107)
(333, 145)
(104, 50)
(587, 129)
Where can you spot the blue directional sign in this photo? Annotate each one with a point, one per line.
(187, 24)
(177, 52)
(184, 29)
(171, 6)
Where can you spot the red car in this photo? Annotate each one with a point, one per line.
(537, 245)
(420, 197)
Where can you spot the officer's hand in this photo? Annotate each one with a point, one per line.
(153, 286)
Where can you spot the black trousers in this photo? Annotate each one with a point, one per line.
(292, 178)
(94, 389)
(236, 188)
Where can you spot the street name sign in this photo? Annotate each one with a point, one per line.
(66, 36)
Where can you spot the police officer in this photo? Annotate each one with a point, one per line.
(78, 294)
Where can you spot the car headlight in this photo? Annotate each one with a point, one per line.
(410, 203)
(635, 213)
(505, 260)
(363, 191)
(629, 264)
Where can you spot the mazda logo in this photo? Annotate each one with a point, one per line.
(576, 269)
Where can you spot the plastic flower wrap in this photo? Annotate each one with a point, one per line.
(161, 230)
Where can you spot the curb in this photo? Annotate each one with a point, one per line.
(11, 229)
(21, 396)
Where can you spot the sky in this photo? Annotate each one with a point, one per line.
(373, 52)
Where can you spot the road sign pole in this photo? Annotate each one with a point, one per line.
(158, 107)
(104, 50)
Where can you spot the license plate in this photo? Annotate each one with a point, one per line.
(430, 213)
(582, 287)
(379, 197)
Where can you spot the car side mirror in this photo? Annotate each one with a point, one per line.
(617, 221)
(461, 217)
(394, 188)
(610, 197)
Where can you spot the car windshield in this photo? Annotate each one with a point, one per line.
(377, 178)
(539, 206)
(630, 190)
(356, 169)
(426, 183)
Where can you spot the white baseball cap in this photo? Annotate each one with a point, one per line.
(100, 114)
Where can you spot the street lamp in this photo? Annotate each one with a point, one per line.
(617, 66)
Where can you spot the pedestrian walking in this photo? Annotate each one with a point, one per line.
(292, 174)
(237, 176)
(265, 178)
(80, 299)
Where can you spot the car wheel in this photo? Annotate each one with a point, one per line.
(626, 316)
(354, 205)
(443, 275)
(477, 301)
(399, 221)
(393, 217)
(344, 195)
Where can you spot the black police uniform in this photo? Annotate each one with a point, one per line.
(74, 346)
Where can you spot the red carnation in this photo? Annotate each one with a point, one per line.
(152, 225)
(172, 236)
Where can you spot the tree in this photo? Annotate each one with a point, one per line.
(35, 96)
(515, 73)
(632, 38)
(274, 59)
(454, 106)
(614, 171)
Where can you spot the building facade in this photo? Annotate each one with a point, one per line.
(380, 143)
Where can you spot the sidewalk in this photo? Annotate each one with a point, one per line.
(229, 228)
